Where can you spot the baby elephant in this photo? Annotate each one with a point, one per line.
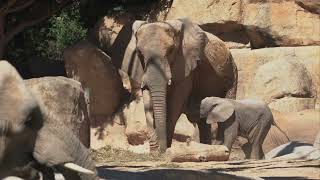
(250, 119)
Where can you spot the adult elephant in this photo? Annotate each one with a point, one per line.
(178, 64)
(29, 143)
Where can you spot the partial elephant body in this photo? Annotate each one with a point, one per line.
(178, 63)
(29, 142)
(250, 119)
(53, 153)
(294, 150)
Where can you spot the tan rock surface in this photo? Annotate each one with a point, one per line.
(112, 135)
(300, 126)
(133, 115)
(205, 12)
(248, 61)
(262, 22)
(280, 23)
(106, 30)
(184, 129)
(278, 79)
(292, 104)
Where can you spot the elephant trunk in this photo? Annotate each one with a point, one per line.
(158, 97)
(157, 77)
(82, 158)
(60, 147)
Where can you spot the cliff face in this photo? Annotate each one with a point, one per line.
(258, 32)
(275, 44)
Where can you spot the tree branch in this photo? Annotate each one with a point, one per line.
(4, 10)
(21, 7)
(11, 33)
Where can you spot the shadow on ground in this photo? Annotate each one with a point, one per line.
(165, 174)
(144, 173)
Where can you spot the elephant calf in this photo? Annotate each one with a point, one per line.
(251, 119)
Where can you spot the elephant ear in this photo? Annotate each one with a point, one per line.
(221, 111)
(193, 44)
(16, 100)
(131, 62)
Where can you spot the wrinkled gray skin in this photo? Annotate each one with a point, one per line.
(251, 119)
(172, 63)
(28, 143)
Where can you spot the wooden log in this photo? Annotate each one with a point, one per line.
(196, 152)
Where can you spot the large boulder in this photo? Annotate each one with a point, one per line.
(185, 130)
(249, 62)
(112, 135)
(292, 104)
(93, 68)
(134, 117)
(278, 79)
(128, 131)
(260, 22)
(63, 101)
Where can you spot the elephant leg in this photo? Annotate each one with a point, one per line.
(219, 139)
(204, 132)
(177, 99)
(247, 149)
(153, 138)
(230, 134)
(258, 138)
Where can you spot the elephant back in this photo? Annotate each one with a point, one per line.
(218, 55)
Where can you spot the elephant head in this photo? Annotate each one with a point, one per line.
(216, 109)
(25, 135)
(159, 55)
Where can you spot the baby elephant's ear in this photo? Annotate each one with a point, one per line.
(221, 112)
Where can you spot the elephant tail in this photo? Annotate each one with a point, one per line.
(276, 125)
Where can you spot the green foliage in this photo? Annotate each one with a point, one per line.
(64, 30)
(50, 38)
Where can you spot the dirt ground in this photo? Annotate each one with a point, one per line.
(122, 165)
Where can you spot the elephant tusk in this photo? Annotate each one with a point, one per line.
(12, 178)
(142, 84)
(169, 82)
(77, 168)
